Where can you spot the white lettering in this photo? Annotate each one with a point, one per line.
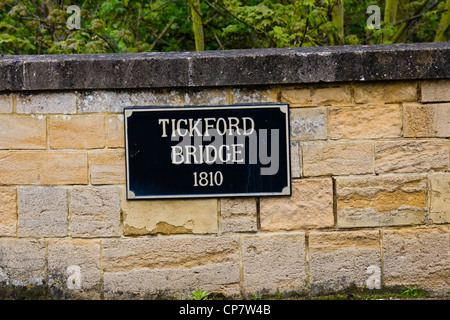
(194, 127)
(179, 127)
(221, 153)
(74, 278)
(177, 151)
(235, 152)
(233, 125)
(374, 281)
(208, 126)
(224, 125)
(252, 127)
(163, 122)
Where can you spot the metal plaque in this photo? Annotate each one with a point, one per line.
(197, 152)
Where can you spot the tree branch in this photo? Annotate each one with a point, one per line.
(162, 33)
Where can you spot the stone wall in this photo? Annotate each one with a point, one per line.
(370, 157)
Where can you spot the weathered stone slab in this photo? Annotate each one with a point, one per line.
(156, 97)
(77, 132)
(23, 132)
(308, 123)
(296, 162)
(238, 215)
(205, 97)
(372, 201)
(22, 263)
(274, 264)
(167, 266)
(141, 70)
(49, 102)
(316, 96)
(115, 131)
(103, 101)
(107, 166)
(26, 167)
(365, 122)
(8, 211)
(226, 67)
(385, 93)
(42, 211)
(411, 156)
(94, 212)
(254, 95)
(417, 257)
(74, 268)
(6, 103)
(439, 197)
(435, 91)
(426, 120)
(337, 158)
(169, 216)
(311, 205)
(338, 260)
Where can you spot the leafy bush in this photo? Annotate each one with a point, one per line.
(40, 26)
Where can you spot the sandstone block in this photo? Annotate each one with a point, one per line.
(385, 92)
(8, 211)
(340, 259)
(296, 97)
(238, 215)
(107, 167)
(207, 97)
(114, 101)
(74, 268)
(371, 201)
(440, 197)
(274, 263)
(411, 156)
(44, 103)
(308, 123)
(115, 131)
(103, 101)
(365, 122)
(22, 262)
(157, 98)
(169, 216)
(296, 163)
(331, 96)
(311, 205)
(23, 132)
(316, 96)
(417, 257)
(94, 212)
(43, 168)
(42, 212)
(161, 265)
(337, 158)
(426, 120)
(246, 95)
(77, 132)
(435, 91)
(6, 103)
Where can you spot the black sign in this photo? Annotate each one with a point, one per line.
(222, 151)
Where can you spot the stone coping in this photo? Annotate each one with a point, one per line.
(252, 67)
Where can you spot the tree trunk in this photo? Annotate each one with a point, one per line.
(390, 15)
(443, 29)
(338, 21)
(197, 25)
(390, 11)
(402, 31)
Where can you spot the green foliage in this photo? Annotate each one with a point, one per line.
(199, 295)
(414, 292)
(39, 26)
